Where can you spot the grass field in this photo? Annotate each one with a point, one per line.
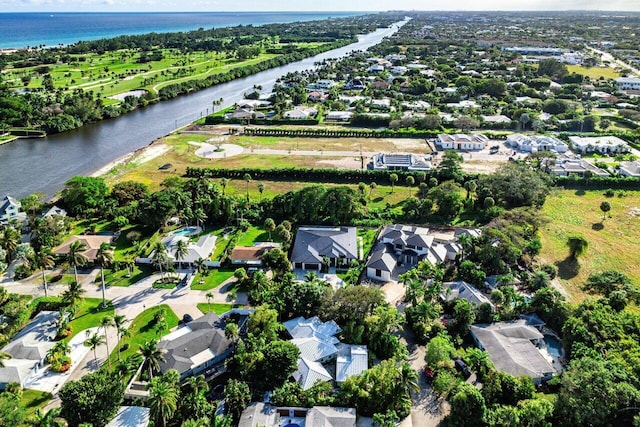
(89, 315)
(594, 73)
(212, 279)
(613, 243)
(219, 308)
(33, 399)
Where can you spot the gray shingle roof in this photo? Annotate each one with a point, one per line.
(312, 243)
(382, 258)
(510, 348)
(206, 333)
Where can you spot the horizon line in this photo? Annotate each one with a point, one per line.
(324, 11)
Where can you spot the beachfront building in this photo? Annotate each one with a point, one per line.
(471, 142)
(599, 144)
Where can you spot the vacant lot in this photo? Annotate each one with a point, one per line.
(613, 243)
(594, 73)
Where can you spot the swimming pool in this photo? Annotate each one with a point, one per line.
(185, 231)
(554, 345)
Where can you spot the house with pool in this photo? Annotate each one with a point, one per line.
(522, 347)
(196, 249)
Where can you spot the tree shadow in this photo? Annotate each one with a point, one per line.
(568, 268)
(580, 192)
(377, 199)
(597, 226)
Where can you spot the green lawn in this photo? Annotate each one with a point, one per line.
(89, 315)
(594, 73)
(219, 308)
(613, 243)
(142, 329)
(119, 278)
(34, 399)
(256, 234)
(212, 279)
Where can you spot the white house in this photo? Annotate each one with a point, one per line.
(473, 141)
(400, 161)
(629, 169)
(535, 143)
(627, 83)
(600, 144)
(9, 209)
(339, 116)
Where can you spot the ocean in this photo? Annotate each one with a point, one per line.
(19, 30)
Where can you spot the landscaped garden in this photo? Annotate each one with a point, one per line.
(150, 325)
(219, 308)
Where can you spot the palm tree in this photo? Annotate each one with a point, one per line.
(372, 187)
(209, 297)
(310, 276)
(76, 258)
(199, 216)
(261, 189)
(223, 184)
(10, 241)
(577, 245)
(45, 260)
(93, 342)
(160, 257)
(200, 265)
(119, 320)
(163, 401)
(152, 355)
(231, 331)
(73, 294)
(393, 178)
(407, 382)
(181, 251)
(104, 257)
(465, 241)
(269, 225)
(247, 179)
(197, 384)
(105, 323)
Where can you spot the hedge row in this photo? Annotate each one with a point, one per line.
(598, 183)
(340, 133)
(336, 176)
(216, 120)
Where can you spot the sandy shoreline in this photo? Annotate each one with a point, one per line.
(138, 156)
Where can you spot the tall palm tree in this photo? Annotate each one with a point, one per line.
(152, 355)
(163, 401)
(76, 258)
(119, 320)
(104, 257)
(45, 260)
(223, 184)
(73, 294)
(247, 179)
(261, 189)
(181, 251)
(10, 241)
(199, 216)
(209, 297)
(200, 265)
(160, 257)
(106, 322)
(197, 384)
(93, 342)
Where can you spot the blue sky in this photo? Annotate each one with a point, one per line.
(297, 5)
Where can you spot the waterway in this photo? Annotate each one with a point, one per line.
(45, 164)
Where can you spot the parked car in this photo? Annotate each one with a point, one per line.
(187, 318)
